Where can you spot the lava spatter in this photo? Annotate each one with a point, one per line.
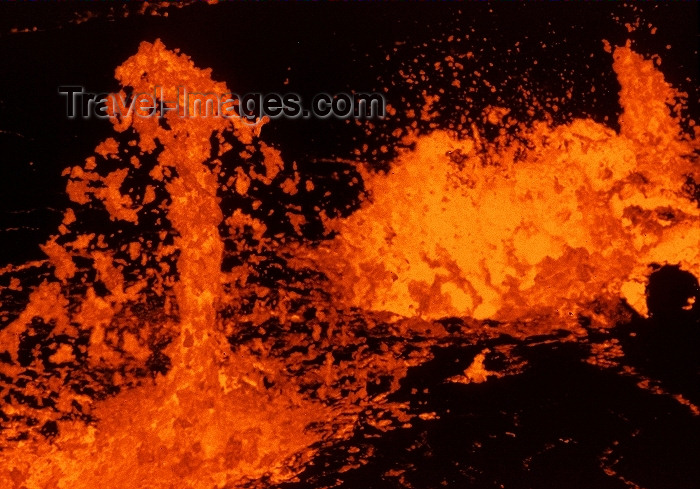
(210, 420)
(141, 361)
(175, 347)
(542, 224)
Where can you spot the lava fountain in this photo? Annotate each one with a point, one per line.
(242, 431)
(540, 225)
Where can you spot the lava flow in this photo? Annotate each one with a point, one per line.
(253, 379)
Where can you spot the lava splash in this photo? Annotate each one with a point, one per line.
(211, 417)
(541, 223)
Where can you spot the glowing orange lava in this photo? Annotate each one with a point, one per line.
(540, 225)
(210, 422)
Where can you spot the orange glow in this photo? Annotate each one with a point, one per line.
(210, 421)
(535, 227)
(539, 225)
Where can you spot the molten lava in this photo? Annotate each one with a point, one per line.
(542, 225)
(210, 421)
